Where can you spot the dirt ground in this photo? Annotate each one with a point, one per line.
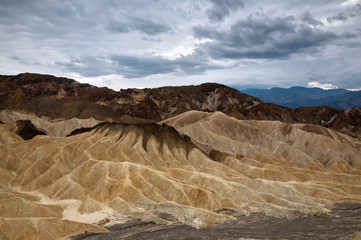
(344, 222)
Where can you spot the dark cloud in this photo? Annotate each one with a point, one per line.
(50, 12)
(307, 18)
(87, 66)
(345, 15)
(97, 37)
(222, 8)
(138, 66)
(146, 26)
(261, 37)
(152, 39)
(47, 19)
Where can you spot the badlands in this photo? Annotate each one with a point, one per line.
(197, 162)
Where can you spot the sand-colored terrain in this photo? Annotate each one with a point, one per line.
(58, 128)
(196, 168)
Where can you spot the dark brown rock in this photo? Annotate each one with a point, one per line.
(26, 130)
(65, 98)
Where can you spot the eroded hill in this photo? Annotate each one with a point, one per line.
(197, 168)
(76, 159)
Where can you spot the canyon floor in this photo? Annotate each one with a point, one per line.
(343, 221)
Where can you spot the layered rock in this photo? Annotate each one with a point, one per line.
(196, 168)
(41, 126)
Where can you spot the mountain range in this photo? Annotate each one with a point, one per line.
(190, 162)
(45, 95)
(295, 97)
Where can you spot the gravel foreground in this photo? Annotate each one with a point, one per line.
(344, 222)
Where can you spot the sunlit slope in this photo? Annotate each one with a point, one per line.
(301, 143)
(214, 168)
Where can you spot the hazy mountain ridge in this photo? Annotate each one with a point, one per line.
(295, 97)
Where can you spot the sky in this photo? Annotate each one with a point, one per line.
(153, 43)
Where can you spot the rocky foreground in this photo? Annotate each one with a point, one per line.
(176, 175)
(341, 224)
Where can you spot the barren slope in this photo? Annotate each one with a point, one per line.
(209, 170)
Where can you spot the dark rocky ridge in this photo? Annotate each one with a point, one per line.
(65, 98)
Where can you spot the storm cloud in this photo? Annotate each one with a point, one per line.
(175, 42)
(346, 14)
(143, 25)
(138, 66)
(259, 36)
(222, 8)
(307, 18)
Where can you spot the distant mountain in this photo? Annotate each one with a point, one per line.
(295, 97)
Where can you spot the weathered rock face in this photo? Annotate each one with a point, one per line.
(63, 98)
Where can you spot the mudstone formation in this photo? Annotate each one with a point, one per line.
(76, 159)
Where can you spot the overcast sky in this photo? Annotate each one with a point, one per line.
(152, 43)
